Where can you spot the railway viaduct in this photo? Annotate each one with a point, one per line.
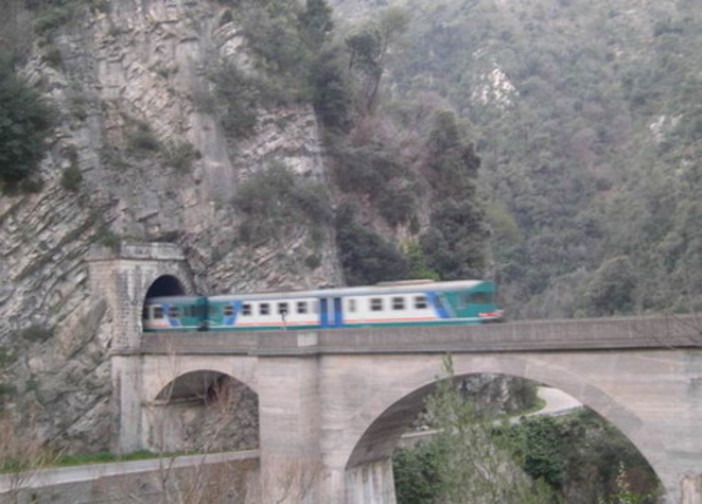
(332, 404)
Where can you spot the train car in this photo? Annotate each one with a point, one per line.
(185, 313)
(397, 303)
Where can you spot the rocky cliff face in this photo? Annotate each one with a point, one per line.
(130, 81)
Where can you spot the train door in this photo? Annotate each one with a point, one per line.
(330, 314)
(338, 316)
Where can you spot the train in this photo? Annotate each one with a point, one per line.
(403, 303)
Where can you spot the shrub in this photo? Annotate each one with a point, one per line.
(332, 94)
(141, 140)
(612, 288)
(36, 333)
(456, 244)
(26, 121)
(107, 238)
(397, 206)
(53, 57)
(276, 198)
(71, 178)
(366, 258)
(366, 168)
(180, 155)
(240, 95)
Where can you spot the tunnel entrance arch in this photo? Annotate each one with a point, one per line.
(201, 411)
(165, 285)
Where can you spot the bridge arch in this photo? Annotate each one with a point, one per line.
(163, 371)
(202, 410)
(388, 410)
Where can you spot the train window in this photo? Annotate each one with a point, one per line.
(282, 308)
(420, 302)
(351, 305)
(158, 312)
(376, 304)
(477, 298)
(228, 310)
(173, 312)
(398, 303)
(246, 310)
(302, 307)
(145, 313)
(264, 309)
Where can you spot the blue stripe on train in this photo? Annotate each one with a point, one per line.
(438, 305)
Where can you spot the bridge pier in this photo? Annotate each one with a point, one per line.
(289, 429)
(691, 489)
(371, 483)
(127, 387)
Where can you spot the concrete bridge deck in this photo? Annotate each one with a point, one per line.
(650, 332)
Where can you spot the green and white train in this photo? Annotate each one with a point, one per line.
(404, 303)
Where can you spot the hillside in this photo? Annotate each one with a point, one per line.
(246, 132)
(586, 118)
(552, 145)
(142, 148)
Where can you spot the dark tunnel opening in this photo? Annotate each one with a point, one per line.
(166, 285)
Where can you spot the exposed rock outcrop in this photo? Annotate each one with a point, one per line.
(156, 166)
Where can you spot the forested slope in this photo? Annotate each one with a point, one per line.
(587, 119)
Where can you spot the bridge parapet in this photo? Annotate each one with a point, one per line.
(654, 332)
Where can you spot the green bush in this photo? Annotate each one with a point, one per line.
(141, 140)
(366, 168)
(332, 94)
(455, 245)
(107, 238)
(71, 178)
(275, 199)
(180, 155)
(397, 206)
(612, 288)
(53, 57)
(53, 14)
(416, 474)
(36, 333)
(240, 94)
(366, 258)
(26, 120)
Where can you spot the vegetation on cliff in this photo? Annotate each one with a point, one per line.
(586, 118)
(26, 119)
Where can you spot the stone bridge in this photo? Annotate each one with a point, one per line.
(332, 404)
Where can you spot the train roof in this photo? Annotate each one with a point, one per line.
(399, 287)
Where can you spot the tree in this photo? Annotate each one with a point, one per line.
(368, 49)
(611, 289)
(25, 123)
(316, 21)
(456, 242)
(365, 257)
(469, 461)
(332, 94)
